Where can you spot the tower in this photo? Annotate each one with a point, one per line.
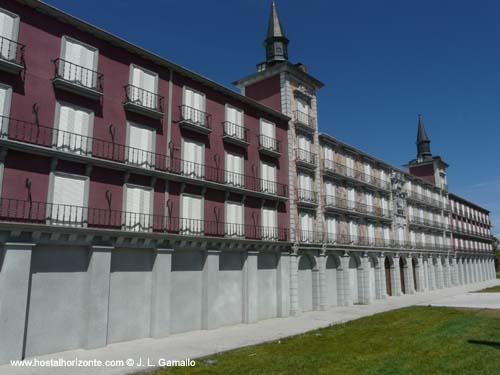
(429, 167)
(276, 43)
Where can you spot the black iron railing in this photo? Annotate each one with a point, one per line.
(424, 198)
(195, 116)
(12, 51)
(427, 222)
(22, 211)
(269, 143)
(304, 119)
(235, 131)
(345, 204)
(48, 137)
(305, 156)
(307, 196)
(343, 170)
(144, 98)
(79, 75)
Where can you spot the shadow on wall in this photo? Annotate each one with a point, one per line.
(493, 344)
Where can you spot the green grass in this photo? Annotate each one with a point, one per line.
(414, 340)
(493, 289)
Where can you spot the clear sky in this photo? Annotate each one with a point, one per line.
(382, 62)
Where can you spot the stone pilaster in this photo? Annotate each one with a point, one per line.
(283, 281)
(346, 282)
(380, 283)
(419, 272)
(408, 275)
(294, 284)
(364, 280)
(396, 277)
(251, 288)
(210, 289)
(322, 281)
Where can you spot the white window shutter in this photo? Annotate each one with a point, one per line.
(68, 200)
(267, 129)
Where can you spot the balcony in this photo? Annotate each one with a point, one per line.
(26, 212)
(78, 79)
(77, 146)
(269, 146)
(336, 169)
(304, 121)
(305, 158)
(344, 205)
(143, 102)
(429, 223)
(307, 197)
(195, 120)
(11, 56)
(420, 198)
(235, 134)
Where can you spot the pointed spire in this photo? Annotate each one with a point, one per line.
(276, 42)
(423, 141)
(274, 29)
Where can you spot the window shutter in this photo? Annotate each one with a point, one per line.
(141, 145)
(6, 26)
(68, 200)
(267, 128)
(3, 100)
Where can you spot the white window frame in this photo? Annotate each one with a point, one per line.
(7, 108)
(266, 235)
(131, 76)
(50, 193)
(231, 178)
(185, 87)
(181, 210)
(261, 120)
(90, 129)
(66, 38)
(153, 142)
(242, 205)
(183, 140)
(17, 21)
(126, 186)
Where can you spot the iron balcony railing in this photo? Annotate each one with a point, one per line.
(73, 143)
(307, 196)
(353, 206)
(425, 199)
(308, 236)
(269, 143)
(195, 116)
(343, 170)
(14, 210)
(144, 98)
(304, 119)
(468, 232)
(235, 131)
(305, 156)
(12, 51)
(427, 222)
(78, 75)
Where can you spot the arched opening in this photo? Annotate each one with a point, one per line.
(353, 278)
(402, 265)
(332, 263)
(305, 280)
(388, 285)
(414, 268)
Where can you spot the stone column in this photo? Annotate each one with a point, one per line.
(454, 272)
(465, 267)
(294, 284)
(250, 288)
(432, 273)
(408, 276)
(425, 262)
(446, 272)
(345, 282)
(380, 283)
(473, 270)
(419, 272)
(98, 273)
(14, 295)
(321, 259)
(396, 277)
(210, 289)
(438, 267)
(364, 280)
(283, 285)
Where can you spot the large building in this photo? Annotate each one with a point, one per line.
(140, 199)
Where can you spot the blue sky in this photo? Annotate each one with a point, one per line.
(382, 62)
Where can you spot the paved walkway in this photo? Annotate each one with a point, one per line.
(202, 343)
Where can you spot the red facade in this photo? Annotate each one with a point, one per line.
(42, 35)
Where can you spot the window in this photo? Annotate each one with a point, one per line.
(305, 187)
(387, 235)
(331, 229)
(141, 145)
(269, 224)
(350, 197)
(369, 202)
(234, 170)
(353, 230)
(371, 233)
(5, 97)
(138, 208)
(234, 123)
(144, 87)
(9, 28)
(69, 197)
(330, 193)
(194, 107)
(79, 62)
(191, 215)
(328, 154)
(268, 135)
(368, 169)
(268, 178)
(192, 158)
(350, 165)
(234, 219)
(303, 111)
(306, 223)
(74, 127)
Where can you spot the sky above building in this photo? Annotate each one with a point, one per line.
(382, 62)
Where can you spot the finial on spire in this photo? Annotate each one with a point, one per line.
(276, 42)
(423, 141)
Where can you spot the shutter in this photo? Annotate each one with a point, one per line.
(303, 106)
(371, 231)
(386, 234)
(4, 111)
(8, 50)
(192, 156)
(68, 199)
(267, 129)
(141, 145)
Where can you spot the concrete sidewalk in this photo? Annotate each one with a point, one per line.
(202, 343)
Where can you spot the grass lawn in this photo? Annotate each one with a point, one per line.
(414, 340)
(493, 289)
